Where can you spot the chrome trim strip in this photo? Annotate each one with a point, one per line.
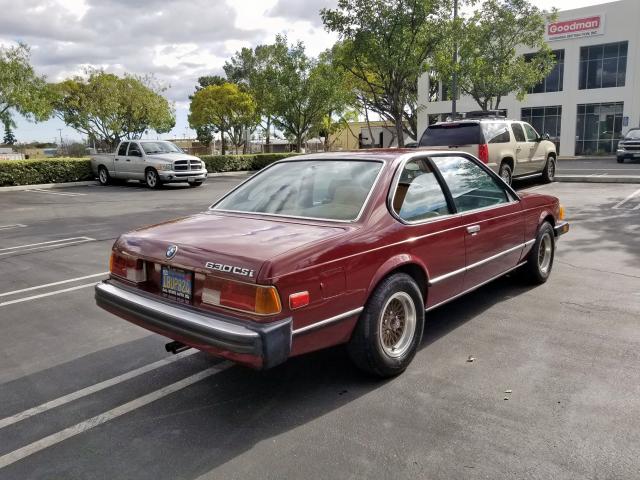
(328, 321)
(213, 208)
(477, 264)
(473, 288)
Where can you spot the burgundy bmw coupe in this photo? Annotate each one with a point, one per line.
(326, 249)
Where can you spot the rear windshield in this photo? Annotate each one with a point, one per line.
(322, 189)
(451, 134)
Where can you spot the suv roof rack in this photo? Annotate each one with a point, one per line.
(487, 114)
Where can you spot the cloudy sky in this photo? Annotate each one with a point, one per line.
(175, 40)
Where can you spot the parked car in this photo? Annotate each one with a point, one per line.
(629, 146)
(511, 148)
(326, 249)
(151, 161)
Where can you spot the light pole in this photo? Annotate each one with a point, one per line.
(454, 79)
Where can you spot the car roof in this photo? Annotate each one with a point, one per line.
(379, 154)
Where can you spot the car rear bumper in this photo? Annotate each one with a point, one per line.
(561, 228)
(255, 344)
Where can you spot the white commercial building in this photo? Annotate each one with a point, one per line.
(590, 98)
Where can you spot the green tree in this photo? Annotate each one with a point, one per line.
(205, 133)
(21, 90)
(9, 137)
(256, 69)
(224, 108)
(110, 108)
(385, 45)
(489, 66)
(304, 92)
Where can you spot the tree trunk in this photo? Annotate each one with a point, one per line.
(366, 116)
(299, 143)
(223, 147)
(399, 131)
(268, 137)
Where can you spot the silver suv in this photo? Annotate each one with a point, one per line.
(511, 148)
(629, 146)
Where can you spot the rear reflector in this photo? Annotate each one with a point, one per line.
(298, 300)
(246, 297)
(129, 268)
(483, 152)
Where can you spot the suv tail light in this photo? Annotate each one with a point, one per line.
(483, 152)
(129, 268)
(246, 297)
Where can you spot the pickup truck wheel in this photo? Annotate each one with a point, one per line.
(151, 178)
(103, 176)
(390, 327)
(549, 172)
(540, 258)
(195, 184)
(505, 173)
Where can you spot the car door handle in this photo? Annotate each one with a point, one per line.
(473, 229)
(128, 159)
(116, 159)
(518, 149)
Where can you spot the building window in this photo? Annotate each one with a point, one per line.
(603, 66)
(598, 128)
(545, 120)
(553, 81)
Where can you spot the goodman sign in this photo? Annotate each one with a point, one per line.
(580, 27)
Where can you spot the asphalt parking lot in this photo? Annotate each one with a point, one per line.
(598, 167)
(84, 394)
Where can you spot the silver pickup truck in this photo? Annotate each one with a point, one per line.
(151, 161)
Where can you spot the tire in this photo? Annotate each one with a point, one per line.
(549, 172)
(195, 184)
(620, 159)
(103, 175)
(540, 259)
(382, 344)
(151, 178)
(505, 173)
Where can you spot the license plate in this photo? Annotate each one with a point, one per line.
(636, 154)
(177, 284)
(191, 179)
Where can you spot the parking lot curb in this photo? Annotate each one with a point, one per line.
(41, 186)
(598, 178)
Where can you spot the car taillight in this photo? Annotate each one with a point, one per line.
(129, 268)
(246, 297)
(483, 152)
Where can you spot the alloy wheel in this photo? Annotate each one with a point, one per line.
(397, 324)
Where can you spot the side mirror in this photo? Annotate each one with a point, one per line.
(547, 136)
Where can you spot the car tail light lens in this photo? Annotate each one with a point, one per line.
(129, 268)
(483, 152)
(298, 300)
(257, 299)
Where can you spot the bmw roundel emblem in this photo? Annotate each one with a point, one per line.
(171, 251)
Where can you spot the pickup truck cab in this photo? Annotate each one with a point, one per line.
(153, 162)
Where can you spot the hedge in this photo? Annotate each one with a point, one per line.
(234, 163)
(60, 170)
(51, 170)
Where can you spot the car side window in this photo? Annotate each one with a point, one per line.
(470, 185)
(418, 195)
(123, 149)
(532, 135)
(518, 132)
(134, 150)
(496, 132)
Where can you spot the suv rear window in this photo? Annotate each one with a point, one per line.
(449, 134)
(496, 132)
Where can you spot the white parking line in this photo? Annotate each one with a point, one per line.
(49, 294)
(65, 194)
(63, 242)
(92, 389)
(38, 287)
(619, 204)
(116, 412)
(16, 225)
